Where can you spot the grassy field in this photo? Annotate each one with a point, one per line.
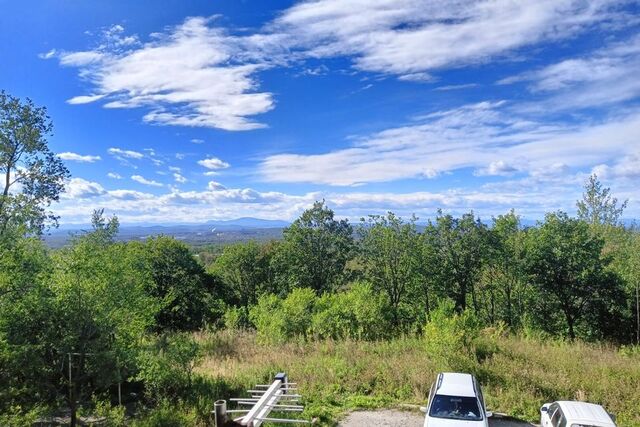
(517, 374)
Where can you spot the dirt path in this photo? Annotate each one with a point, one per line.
(395, 418)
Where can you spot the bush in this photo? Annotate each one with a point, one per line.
(359, 313)
(167, 364)
(451, 337)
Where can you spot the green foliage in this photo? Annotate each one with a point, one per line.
(359, 313)
(180, 282)
(314, 251)
(245, 271)
(457, 255)
(235, 319)
(166, 366)
(450, 337)
(597, 206)
(115, 416)
(391, 258)
(565, 262)
(167, 414)
(32, 175)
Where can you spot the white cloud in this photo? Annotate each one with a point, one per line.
(213, 163)
(412, 36)
(74, 157)
(191, 75)
(215, 186)
(175, 169)
(498, 167)
(606, 76)
(211, 173)
(47, 55)
(114, 175)
(142, 180)
(130, 195)
(84, 99)
(472, 136)
(129, 154)
(456, 87)
(179, 178)
(197, 140)
(78, 188)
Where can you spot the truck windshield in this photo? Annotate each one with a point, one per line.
(455, 408)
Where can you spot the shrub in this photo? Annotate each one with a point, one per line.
(359, 313)
(167, 364)
(451, 337)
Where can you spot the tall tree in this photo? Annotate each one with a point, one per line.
(32, 176)
(244, 269)
(101, 310)
(314, 250)
(597, 206)
(390, 250)
(179, 281)
(565, 262)
(458, 250)
(503, 278)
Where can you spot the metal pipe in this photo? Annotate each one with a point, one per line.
(220, 413)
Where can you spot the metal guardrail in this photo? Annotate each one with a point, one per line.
(280, 396)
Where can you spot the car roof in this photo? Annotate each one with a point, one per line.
(456, 384)
(585, 412)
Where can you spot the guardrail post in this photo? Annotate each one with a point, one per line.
(220, 413)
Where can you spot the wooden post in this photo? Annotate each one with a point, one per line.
(72, 397)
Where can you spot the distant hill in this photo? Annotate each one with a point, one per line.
(211, 232)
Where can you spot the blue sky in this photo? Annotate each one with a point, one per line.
(186, 111)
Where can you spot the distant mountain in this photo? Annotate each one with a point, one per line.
(210, 232)
(250, 223)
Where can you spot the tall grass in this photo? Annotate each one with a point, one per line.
(518, 374)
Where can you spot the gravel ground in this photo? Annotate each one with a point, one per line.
(395, 418)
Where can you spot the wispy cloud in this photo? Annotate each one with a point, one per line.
(406, 36)
(179, 178)
(486, 136)
(606, 76)
(75, 157)
(114, 175)
(129, 154)
(142, 180)
(456, 87)
(213, 163)
(190, 75)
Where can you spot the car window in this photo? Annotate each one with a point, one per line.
(555, 418)
(455, 408)
(552, 409)
(563, 421)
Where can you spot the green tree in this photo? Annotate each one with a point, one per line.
(597, 206)
(177, 279)
(565, 262)
(314, 251)
(457, 255)
(101, 310)
(33, 176)
(389, 248)
(244, 269)
(503, 279)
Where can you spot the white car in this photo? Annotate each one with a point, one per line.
(456, 400)
(574, 414)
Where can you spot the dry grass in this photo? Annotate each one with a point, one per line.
(518, 376)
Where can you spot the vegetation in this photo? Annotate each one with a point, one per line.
(360, 316)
